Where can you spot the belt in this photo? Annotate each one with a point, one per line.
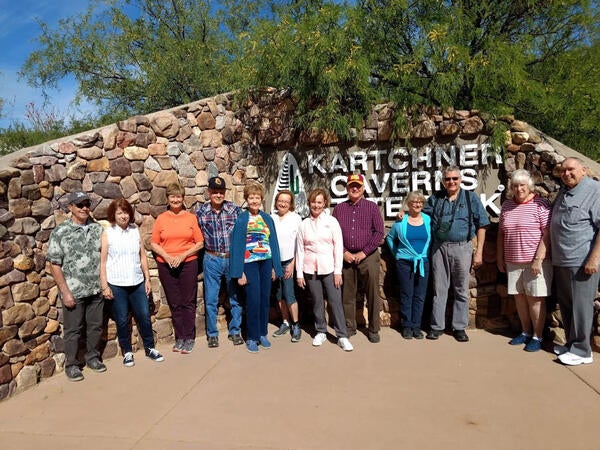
(218, 254)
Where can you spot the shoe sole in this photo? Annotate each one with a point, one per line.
(295, 339)
(97, 370)
(579, 362)
(251, 351)
(277, 334)
(129, 364)
(75, 378)
(161, 359)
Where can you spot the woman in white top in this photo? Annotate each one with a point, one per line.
(319, 260)
(125, 279)
(287, 222)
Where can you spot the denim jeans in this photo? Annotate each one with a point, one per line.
(215, 269)
(413, 289)
(285, 287)
(131, 299)
(258, 294)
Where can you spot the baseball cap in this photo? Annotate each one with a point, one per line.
(355, 179)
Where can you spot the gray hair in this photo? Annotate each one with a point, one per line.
(517, 177)
(449, 169)
(414, 195)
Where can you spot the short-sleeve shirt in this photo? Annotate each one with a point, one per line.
(76, 248)
(217, 226)
(442, 210)
(575, 223)
(523, 225)
(176, 233)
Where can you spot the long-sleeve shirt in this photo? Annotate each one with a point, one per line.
(361, 224)
(319, 246)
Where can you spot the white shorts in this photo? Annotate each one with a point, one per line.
(521, 280)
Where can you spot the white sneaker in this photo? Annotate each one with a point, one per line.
(560, 349)
(319, 339)
(571, 359)
(128, 360)
(345, 344)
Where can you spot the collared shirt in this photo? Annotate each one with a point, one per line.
(123, 263)
(287, 230)
(319, 246)
(575, 223)
(442, 210)
(76, 248)
(361, 224)
(217, 225)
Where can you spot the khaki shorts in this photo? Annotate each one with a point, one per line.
(521, 280)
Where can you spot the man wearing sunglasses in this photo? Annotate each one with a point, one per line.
(457, 216)
(74, 256)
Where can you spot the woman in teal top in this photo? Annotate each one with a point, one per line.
(409, 241)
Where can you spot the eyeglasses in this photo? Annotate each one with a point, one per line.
(82, 205)
(451, 178)
(417, 202)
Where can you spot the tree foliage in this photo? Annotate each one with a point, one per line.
(537, 59)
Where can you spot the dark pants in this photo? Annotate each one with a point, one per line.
(575, 291)
(367, 272)
(88, 311)
(413, 289)
(134, 299)
(181, 288)
(316, 285)
(258, 293)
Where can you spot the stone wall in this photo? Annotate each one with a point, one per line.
(138, 157)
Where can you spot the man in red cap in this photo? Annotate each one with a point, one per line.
(362, 229)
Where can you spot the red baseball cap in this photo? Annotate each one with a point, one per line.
(355, 179)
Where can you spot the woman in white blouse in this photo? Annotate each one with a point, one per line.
(125, 279)
(319, 259)
(287, 222)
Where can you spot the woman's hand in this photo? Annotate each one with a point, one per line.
(536, 266)
(107, 293)
(148, 287)
(301, 283)
(289, 271)
(242, 281)
(337, 280)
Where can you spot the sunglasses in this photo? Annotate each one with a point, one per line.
(451, 178)
(83, 205)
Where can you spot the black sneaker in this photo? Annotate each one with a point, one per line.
(236, 339)
(374, 337)
(460, 335)
(154, 355)
(417, 333)
(407, 333)
(213, 341)
(96, 365)
(128, 360)
(73, 373)
(434, 334)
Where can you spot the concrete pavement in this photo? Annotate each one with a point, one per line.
(396, 394)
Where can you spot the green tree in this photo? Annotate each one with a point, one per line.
(134, 56)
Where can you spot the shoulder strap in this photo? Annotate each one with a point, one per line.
(469, 212)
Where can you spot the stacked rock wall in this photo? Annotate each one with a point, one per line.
(138, 157)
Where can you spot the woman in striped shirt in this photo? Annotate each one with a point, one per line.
(125, 279)
(523, 253)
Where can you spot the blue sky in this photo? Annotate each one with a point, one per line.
(18, 30)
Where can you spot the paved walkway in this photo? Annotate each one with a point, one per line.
(394, 395)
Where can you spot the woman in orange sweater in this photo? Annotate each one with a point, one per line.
(176, 240)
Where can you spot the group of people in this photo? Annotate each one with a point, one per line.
(336, 256)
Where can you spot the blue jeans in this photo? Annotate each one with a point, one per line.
(215, 269)
(285, 287)
(413, 289)
(258, 294)
(134, 299)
